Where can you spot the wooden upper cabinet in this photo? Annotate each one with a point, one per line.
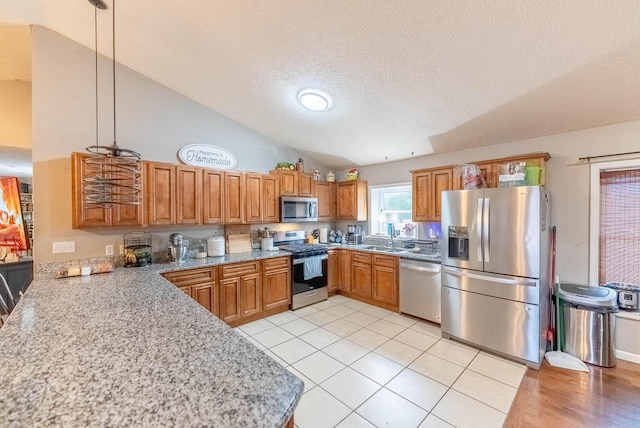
(326, 194)
(428, 186)
(160, 185)
(442, 180)
(188, 195)
(213, 190)
(306, 185)
(254, 197)
(421, 195)
(235, 202)
(271, 203)
(288, 181)
(352, 200)
(83, 216)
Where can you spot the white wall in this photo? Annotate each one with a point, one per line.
(15, 114)
(567, 183)
(152, 120)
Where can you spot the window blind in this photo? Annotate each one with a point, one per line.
(619, 240)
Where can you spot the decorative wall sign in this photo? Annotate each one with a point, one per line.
(207, 156)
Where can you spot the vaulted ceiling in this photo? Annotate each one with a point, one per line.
(407, 77)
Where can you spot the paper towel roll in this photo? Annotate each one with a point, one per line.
(324, 235)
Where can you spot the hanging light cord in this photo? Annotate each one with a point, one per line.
(113, 41)
(95, 35)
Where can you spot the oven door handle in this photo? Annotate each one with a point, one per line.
(301, 260)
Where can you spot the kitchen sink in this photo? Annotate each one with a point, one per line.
(384, 249)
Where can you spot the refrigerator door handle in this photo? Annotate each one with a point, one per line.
(461, 273)
(479, 228)
(485, 233)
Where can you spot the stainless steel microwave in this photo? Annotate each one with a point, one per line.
(296, 210)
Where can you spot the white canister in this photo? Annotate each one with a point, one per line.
(266, 244)
(324, 235)
(215, 246)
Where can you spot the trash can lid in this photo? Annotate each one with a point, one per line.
(587, 295)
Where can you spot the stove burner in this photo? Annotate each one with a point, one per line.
(305, 250)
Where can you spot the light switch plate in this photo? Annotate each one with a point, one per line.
(108, 250)
(63, 247)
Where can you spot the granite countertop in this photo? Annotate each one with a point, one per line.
(128, 348)
(406, 254)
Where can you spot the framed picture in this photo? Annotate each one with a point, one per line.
(13, 233)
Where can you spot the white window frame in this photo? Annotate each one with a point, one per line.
(594, 210)
(371, 198)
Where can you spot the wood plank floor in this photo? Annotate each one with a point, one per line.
(554, 397)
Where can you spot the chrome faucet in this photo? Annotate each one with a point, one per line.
(393, 233)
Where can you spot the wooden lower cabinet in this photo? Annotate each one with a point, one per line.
(345, 271)
(199, 284)
(385, 279)
(230, 293)
(361, 274)
(333, 270)
(276, 283)
(369, 277)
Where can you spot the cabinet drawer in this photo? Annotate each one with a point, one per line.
(276, 263)
(239, 269)
(192, 276)
(386, 261)
(359, 257)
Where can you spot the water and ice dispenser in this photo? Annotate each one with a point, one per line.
(458, 242)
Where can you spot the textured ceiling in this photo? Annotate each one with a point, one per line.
(15, 46)
(407, 77)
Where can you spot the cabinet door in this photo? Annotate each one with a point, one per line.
(288, 182)
(345, 270)
(271, 203)
(160, 193)
(442, 181)
(361, 279)
(254, 198)
(251, 295)
(204, 294)
(385, 284)
(188, 195)
(421, 189)
(230, 299)
(213, 189)
(306, 185)
(333, 268)
(325, 192)
(235, 191)
(84, 216)
(277, 288)
(352, 200)
(128, 215)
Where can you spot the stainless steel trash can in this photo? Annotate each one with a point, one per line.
(589, 319)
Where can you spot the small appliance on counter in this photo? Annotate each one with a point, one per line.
(137, 249)
(178, 248)
(628, 295)
(215, 246)
(354, 234)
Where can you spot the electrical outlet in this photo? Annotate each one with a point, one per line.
(108, 250)
(63, 247)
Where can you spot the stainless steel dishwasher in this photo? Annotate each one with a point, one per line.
(420, 289)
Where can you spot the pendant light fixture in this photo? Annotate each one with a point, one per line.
(113, 175)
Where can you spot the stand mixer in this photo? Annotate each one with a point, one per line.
(178, 248)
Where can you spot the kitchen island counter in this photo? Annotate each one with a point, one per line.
(128, 348)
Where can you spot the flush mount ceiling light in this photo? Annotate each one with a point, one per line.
(314, 100)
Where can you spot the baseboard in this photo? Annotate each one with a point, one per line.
(628, 356)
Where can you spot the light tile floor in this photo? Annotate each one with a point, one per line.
(363, 366)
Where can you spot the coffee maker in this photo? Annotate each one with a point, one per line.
(354, 234)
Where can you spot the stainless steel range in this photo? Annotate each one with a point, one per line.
(308, 268)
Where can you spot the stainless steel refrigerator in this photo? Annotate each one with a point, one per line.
(494, 270)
